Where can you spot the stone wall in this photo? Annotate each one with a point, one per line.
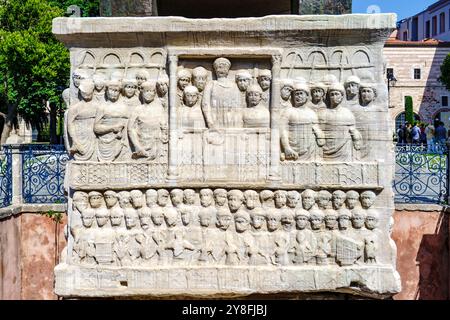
(30, 244)
(421, 234)
(28, 253)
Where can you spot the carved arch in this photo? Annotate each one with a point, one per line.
(361, 57)
(317, 57)
(112, 60)
(136, 58)
(158, 57)
(88, 60)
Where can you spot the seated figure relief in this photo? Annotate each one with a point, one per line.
(116, 92)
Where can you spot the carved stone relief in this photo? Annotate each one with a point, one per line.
(225, 227)
(251, 160)
(116, 91)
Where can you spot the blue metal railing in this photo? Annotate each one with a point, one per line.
(421, 175)
(43, 169)
(5, 177)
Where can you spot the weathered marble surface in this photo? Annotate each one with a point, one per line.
(202, 147)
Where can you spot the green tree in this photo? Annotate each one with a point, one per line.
(34, 66)
(445, 72)
(409, 110)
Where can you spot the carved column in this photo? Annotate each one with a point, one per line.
(173, 130)
(274, 173)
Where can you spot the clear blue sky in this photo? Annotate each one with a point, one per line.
(403, 8)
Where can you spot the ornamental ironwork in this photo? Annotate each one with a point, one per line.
(43, 169)
(421, 176)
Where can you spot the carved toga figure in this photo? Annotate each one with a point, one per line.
(80, 124)
(110, 124)
(300, 132)
(221, 99)
(147, 127)
(338, 124)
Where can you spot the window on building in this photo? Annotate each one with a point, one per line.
(390, 73)
(415, 29)
(444, 101)
(427, 29)
(405, 36)
(417, 74)
(442, 22)
(434, 26)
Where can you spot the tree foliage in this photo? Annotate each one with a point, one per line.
(409, 109)
(445, 72)
(34, 65)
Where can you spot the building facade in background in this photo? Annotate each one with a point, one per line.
(433, 22)
(416, 68)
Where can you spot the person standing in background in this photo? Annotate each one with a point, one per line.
(429, 132)
(408, 136)
(440, 134)
(415, 134)
(423, 136)
(401, 134)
